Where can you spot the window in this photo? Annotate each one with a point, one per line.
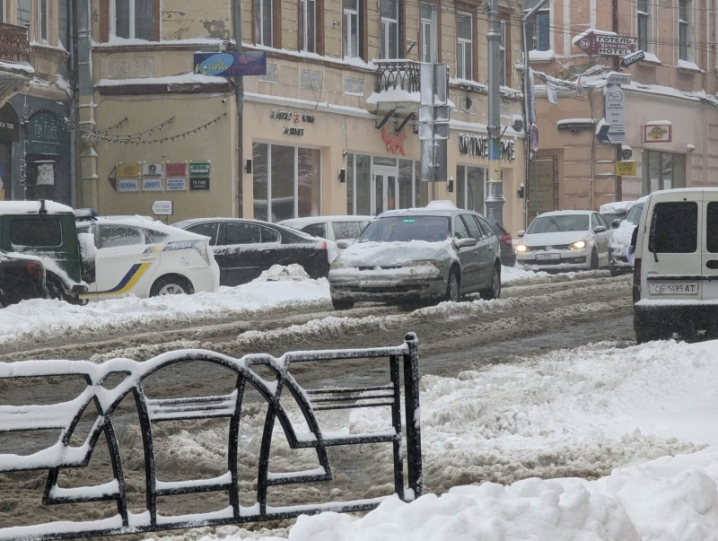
(389, 44)
(112, 236)
(460, 231)
(346, 230)
(352, 32)
(2, 11)
(42, 21)
(538, 31)
(663, 171)
(208, 230)
(642, 24)
(473, 227)
(317, 230)
(470, 188)
(674, 228)
(712, 227)
(503, 38)
(308, 26)
(31, 232)
(429, 33)
(133, 19)
(24, 10)
(240, 233)
(684, 43)
(286, 182)
(264, 18)
(465, 45)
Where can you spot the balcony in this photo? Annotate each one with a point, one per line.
(14, 44)
(396, 88)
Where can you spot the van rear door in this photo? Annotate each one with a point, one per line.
(709, 246)
(672, 260)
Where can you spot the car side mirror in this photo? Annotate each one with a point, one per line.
(599, 229)
(615, 223)
(344, 244)
(464, 243)
(521, 233)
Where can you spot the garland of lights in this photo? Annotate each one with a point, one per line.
(108, 129)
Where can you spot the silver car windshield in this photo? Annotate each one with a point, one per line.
(634, 215)
(407, 228)
(553, 224)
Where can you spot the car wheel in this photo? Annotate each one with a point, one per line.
(453, 288)
(494, 290)
(171, 285)
(54, 287)
(614, 271)
(342, 304)
(594, 259)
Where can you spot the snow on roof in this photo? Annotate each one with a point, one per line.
(294, 222)
(16, 66)
(591, 31)
(576, 121)
(185, 78)
(616, 207)
(542, 56)
(33, 207)
(658, 123)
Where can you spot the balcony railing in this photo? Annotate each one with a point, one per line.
(14, 43)
(397, 74)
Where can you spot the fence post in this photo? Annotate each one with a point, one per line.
(413, 415)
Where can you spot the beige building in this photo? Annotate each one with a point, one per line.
(329, 128)
(671, 114)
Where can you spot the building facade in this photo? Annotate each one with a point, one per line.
(329, 128)
(671, 115)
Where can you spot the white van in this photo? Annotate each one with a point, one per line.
(675, 279)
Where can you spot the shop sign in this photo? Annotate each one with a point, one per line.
(657, 133)
(200, 183)
(128, 170)
(128, 185)
(626, 169)
(199, 169)
(162, 208)
(45, 174)
(9, 124)
(293, 116)
(176, 169)
(152, 169)
(176, 184)
(151, 184)
(291, 130)
(473, 145)
(575, 126)
(232, 64)
(46, 135)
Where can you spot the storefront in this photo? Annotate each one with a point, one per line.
(9, 134)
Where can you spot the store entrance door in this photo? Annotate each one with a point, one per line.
(385, 189)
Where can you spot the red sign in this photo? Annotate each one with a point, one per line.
(606, 44)
(176, 169)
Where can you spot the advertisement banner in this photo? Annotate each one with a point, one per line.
(233, 64)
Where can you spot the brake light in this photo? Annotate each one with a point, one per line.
(203, 249)
(36, 270)
(506, 239)
(637, 279)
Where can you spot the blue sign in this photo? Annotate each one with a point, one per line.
(238, 63)
(608, 135)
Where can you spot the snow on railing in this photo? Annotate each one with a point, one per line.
(65, 417)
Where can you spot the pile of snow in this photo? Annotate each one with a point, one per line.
(278, 273)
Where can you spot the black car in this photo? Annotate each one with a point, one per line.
(508, 257)
(244, 248)
(21, 278)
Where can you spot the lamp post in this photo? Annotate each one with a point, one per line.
(495, 198)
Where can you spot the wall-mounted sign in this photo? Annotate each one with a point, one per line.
(474, 145)
(152, 169)
(633, 58)
(162, 208)
(291, 130)
(293, 116)
(575, 126)
(128, 170)
(626, 169)
(9, 124)
(151, 184)
(45, 174)
(176, 169)
(128, 185)
(657, 133)
(236, 63)
(176, 184)
(46, 135)
(199, 183)
(200, 169)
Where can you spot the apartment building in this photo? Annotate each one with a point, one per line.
(329, 128)
(35, 98)
(671, 114)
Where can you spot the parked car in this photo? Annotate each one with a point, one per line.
(417, 255)
(21, 278)
(146, 259)
(619, 257)
(244, 248)
(564, 240)
(46, 230)
(508, 257)
(334, 228)
(675, 281)
(615, 211)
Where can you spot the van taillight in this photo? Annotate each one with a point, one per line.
(36, 270)
(506, 239)
(637, 280)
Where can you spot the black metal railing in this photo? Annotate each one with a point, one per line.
(397, 74)
(105, 385)
(14, 43)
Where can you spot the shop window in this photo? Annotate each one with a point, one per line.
(286, 182)
(663, 171)
(389, 39)
(464, 45)
(470, 188)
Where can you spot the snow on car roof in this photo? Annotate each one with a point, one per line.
(616, 207)
(160, 227)
(293, 222)
(564, 212)
(33, 207)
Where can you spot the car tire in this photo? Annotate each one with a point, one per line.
(594, 259)
(614, 271)
(56, 290)
(342, 304)
(171, 284)
(494, 289)
(453, 286)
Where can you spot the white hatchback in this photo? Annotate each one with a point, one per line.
(145, 258)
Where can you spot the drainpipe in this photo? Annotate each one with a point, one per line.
(616, 66)
(86, 105)
(72, 39)
(239, 98)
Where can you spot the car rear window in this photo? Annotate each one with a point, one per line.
(29, 232)
(346, 230)
(317, 230)
(712, 228)
(674, 228)
(407, 228)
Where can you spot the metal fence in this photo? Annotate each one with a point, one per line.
(65, 417)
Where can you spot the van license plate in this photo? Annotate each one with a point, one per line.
(544, 257)
(674, 289)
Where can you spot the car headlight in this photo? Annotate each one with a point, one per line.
(578, 245)
(427, 263)
(521, 248)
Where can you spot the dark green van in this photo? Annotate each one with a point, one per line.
(46, 229)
